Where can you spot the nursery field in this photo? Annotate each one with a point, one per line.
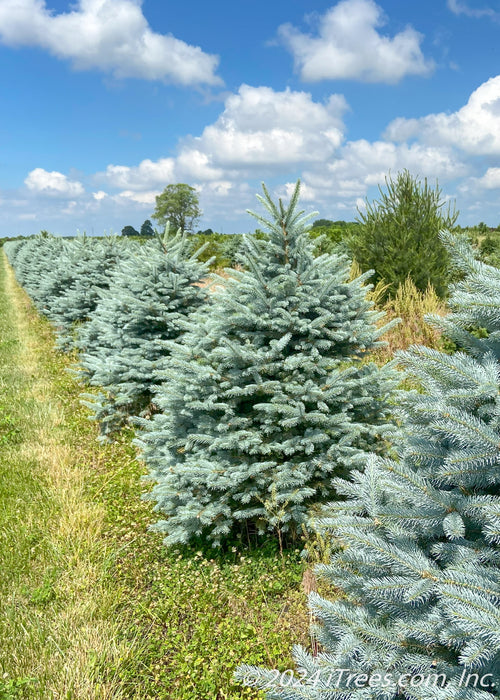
(284, 415)
(91, 604)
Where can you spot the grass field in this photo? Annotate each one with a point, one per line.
(92, 605)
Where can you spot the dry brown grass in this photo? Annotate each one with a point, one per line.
(411, 306)
(212, 283)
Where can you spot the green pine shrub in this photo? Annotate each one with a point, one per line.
(221, 249)
(399, 235)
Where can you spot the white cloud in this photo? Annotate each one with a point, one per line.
(261, 133)
(348, 46)
(259, 128)
(221, 189)
(490, 180)
(144, 198)
(195, 164)
(458, 7)
(147, 175)
(110, 35)
(475, 128)
(266, 133)
(262, 127)
(307, 193)
(369, 161)
(363, 164)
(53, 183)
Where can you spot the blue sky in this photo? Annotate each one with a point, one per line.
(105, 102)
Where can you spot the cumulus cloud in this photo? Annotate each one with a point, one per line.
(262, 127)
(370, 161)
(147, 175)
(348, 46)
(108, 35)
(362, 164)
(490, 180)
(53, 184)
(259, 129)
(193, 163)
(265, 133)
(144, 198)
(259, 133)
(475, 128)
(307, 193)
(262, 133)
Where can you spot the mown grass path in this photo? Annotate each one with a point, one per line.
(91, 604)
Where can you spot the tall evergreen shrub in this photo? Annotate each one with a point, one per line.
(418, 568)
(267, 397)
(398, 235)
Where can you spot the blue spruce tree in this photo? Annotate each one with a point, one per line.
(418, 564)
(13, 249)
(123, 345)
(63, 277)
(72, 287)
(33, 260)
(267, 396)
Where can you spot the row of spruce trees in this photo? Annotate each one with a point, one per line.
(248, 398)
(257, 400)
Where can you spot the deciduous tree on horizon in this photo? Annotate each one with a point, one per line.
(179, 205)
